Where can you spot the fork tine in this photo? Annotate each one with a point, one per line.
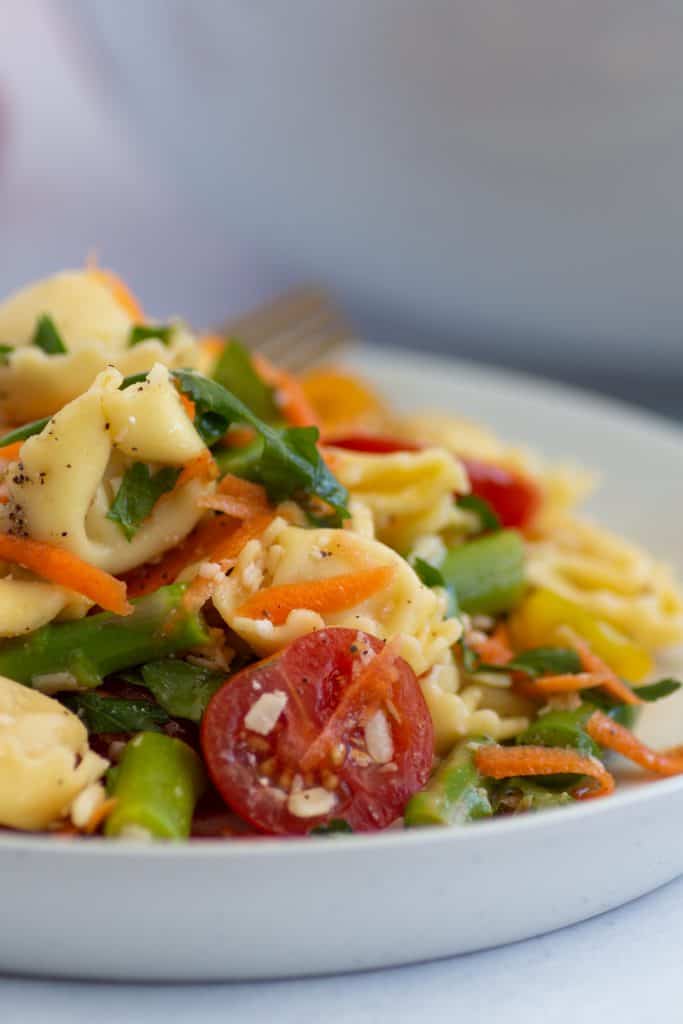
(296, 330)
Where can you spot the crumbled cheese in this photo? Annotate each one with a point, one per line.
(135, 832)
(311, 803)
(251, 576)
(378, 738)
(209, 570)
(86, 803)
(262, 716)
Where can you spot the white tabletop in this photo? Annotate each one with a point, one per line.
(623, 966)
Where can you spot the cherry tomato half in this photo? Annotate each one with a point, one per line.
(514, 498)
(352, 739)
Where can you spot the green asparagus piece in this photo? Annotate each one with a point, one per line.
(156, 784)
(455, 794)
(487, 574)
(516, 796)
(97, 645)
(562, 729)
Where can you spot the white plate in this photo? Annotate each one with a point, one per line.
(250, 909)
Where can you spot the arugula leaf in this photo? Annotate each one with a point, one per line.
(145, 332)
(47, 337)
(235, 371)
(487, 517)
(182, 689)
(5, 352)
(650, 693)
(540, 661)
(138, 494)
(471, 661)
(21, 433)
(286, 462)
(335, 826)
(432, 577)
(113, 714)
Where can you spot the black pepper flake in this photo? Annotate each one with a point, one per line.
(68, 465)
(107, 426)
(64, 533)
(353, 649)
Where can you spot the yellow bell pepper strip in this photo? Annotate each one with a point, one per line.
(539, 620)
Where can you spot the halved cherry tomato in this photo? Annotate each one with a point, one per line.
(514, 498)
(373, 444)
(354, 717)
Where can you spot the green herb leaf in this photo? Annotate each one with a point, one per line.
(138, 494)
(431, 577)
(182, 689)
(235, 371)
(145, 332)
(546, 661)
(470, 659)
(286, 462)
(5, 352)
(487, 517)
(112, 714)
(21, 433)
(334, 827)
(47, 337)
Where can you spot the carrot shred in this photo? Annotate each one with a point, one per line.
(247, 491)
(496, 649)
(361, 699)
(608, 733)
(62, 567)
(11, 451)
(567, 683)
(217, 539)
(498, 762)
(120, 291)
(213, 344)
(331, 594)
(290, 394)
(203, 466)
(99, 815)
(188, 405)
(608, 679)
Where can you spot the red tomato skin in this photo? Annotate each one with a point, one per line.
(514, 498)
(314, 671)
(373, 444)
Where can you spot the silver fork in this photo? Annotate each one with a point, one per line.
(296, 330)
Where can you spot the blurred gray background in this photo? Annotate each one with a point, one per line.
(182, 142)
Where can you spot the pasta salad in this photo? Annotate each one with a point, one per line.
(237, 602)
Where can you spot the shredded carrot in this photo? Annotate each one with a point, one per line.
(249, 492)
(120, 292)
(360, 699)
(608, 679)
(495, 650)
(62, 567)
(235, 507)
(567, 683)
(216, 539)
(237, 437)
(188, 405)
(608, 733)
(11, 451)
(343, 402)
(498, 762)
(290, 394)
(213, 344)
(332, 594)
(99, 815)
(201, 467)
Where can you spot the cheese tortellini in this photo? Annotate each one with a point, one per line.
(95, 327)
(45, 760)
(290, 554)
(62, 488)
(410, 494)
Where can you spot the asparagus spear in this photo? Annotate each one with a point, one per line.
(455, 793)
(91, 648)
(487, 574)
(156, 784)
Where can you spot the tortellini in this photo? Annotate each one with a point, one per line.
(95, 328)
(290, 554)
(27, 604)
(410, 494)
(63, 486)
(45, 760)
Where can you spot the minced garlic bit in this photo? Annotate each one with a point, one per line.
(378, 739)
(262, 716)
(311, 803)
